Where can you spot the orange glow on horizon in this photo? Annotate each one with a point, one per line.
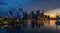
(52, 16)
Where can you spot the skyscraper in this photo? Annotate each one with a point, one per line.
(42, 13)
(20, 13)
(38, 12)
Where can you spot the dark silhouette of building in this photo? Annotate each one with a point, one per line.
(10, 12)
(32, 15)
(42, 14)
(57, 17)
(25, 15)
(38, 12)
(20, 13)
(46, 16)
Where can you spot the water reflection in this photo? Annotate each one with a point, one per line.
(52, 27)
(34, 26)
(52, 22)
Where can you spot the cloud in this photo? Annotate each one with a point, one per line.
(43, 4)
(33, 4)
(29, 5)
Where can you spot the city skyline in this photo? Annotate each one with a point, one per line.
(50, 7)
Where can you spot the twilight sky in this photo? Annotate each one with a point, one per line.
(29, 5)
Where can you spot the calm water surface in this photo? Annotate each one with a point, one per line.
(48, 27)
